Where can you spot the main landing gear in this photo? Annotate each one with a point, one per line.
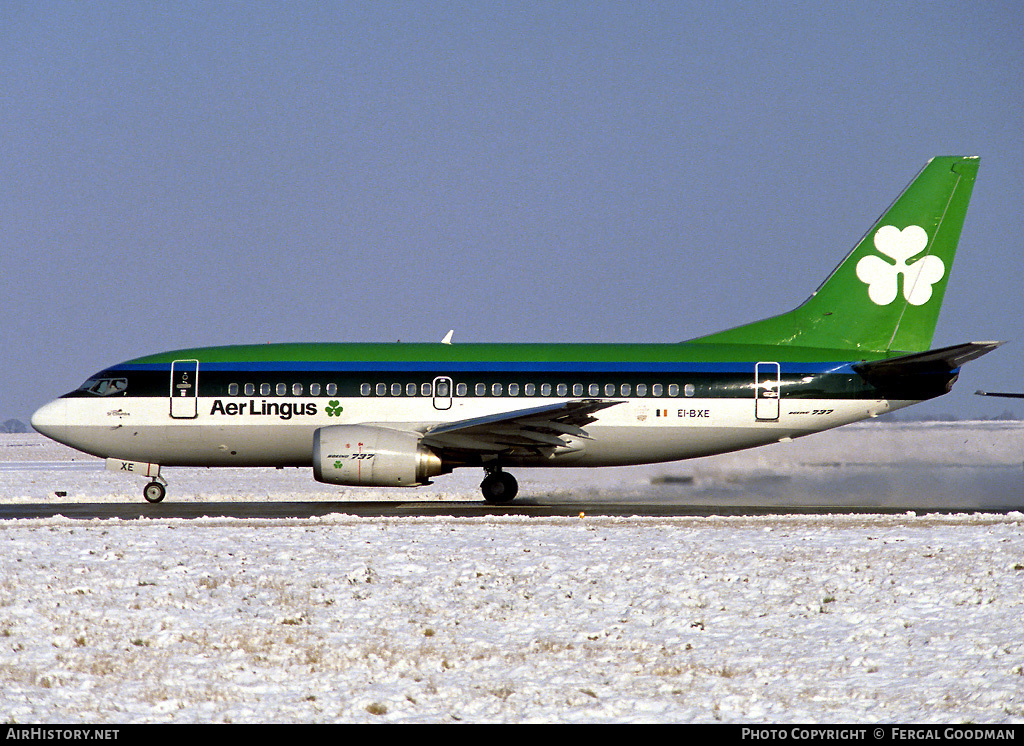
(499, 487)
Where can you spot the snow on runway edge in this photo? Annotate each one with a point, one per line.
(781, 619)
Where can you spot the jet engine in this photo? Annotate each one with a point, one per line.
(364, 455)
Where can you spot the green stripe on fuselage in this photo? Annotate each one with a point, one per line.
(505, 353)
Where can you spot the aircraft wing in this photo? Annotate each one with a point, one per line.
(942, 359)
(535, 429)
(993, 393)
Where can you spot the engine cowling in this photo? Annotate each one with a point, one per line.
(369, 456)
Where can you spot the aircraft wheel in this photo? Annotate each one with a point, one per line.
(154, 492)
(499, 488)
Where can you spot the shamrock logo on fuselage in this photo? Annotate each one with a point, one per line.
(333, 408)
(882, 278)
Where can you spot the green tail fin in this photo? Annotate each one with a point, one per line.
(887, 293)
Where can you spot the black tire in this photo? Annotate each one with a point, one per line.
(154, 492)
(499, 488)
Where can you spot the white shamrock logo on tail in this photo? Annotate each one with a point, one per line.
(882, 278)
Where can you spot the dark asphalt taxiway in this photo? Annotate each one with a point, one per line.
(450, 509)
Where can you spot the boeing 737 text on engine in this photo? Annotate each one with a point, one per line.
(397, 415)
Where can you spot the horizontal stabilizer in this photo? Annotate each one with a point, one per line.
(993, 393)
(943, 359)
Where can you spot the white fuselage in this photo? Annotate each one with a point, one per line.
(257, 431)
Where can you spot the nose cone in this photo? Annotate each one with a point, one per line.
(52, 420)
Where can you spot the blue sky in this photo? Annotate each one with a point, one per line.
(188, 174)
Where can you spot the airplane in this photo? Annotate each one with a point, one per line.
(398, 415)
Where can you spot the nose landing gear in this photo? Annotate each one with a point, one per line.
(154, 492)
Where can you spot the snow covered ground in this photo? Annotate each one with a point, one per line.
(771, 619)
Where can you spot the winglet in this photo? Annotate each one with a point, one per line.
(448, 337)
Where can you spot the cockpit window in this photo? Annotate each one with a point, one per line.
(105, 386)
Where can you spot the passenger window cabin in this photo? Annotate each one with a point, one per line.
(481, 389)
